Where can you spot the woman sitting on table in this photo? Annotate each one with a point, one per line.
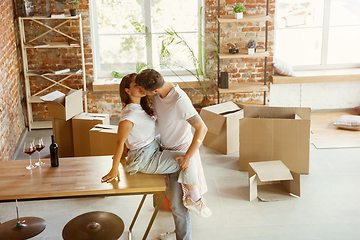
(137, 131)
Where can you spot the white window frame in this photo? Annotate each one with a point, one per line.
(98, 75)
(325, 40)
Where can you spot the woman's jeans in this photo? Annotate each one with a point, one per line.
(150, 159)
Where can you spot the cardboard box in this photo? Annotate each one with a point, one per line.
(103, 140)
(222, 121)
(272, 181)
(82, 124)
(63, 106)
(62, 130)
(271, 133)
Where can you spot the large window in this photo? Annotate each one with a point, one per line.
(318, 34)
(129, 33)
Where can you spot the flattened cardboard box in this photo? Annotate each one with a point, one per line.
(272, 181)
(271, 133)
(103, 140)
(82, 124)
(63, 106)
(62, 130)
(222, 121)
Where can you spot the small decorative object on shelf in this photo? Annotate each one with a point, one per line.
(239, 9)
(252, 44)
(72, 3)
(234, 50)
(28, 8)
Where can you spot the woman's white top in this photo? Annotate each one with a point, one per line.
(143, 131)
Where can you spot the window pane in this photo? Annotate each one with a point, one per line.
(297, 48)
(180, 55)
(121, 53)
(343, 45)
(179, 15)
(119, 16)
(344, 12)
(290, 13)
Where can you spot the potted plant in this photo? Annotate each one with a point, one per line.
(204, 72)
(72, 3)
(251, 45)
(239, 9)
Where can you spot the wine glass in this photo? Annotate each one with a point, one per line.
(29, 148)
(39, 145)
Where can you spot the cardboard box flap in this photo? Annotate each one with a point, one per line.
(293, 186)
(215, 116)
(103, 126)
(91, 116)
(72, 96)
(276, 112)
(222, 108)
(54, 97)
(271, 171)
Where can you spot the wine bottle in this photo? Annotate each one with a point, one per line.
(54, 152)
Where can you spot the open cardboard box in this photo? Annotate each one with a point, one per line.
(103, 139)
(62, 130)
(272, 181)
(64, 106)
(82, 124)
(272, 133)
(222, 121)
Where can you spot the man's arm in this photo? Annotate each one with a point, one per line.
(200, 131)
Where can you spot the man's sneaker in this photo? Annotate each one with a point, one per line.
(168, 236)
(198, 207)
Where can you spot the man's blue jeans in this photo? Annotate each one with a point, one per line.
(180, 213)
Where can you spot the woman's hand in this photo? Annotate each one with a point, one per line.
(184, 162)
(113, 174)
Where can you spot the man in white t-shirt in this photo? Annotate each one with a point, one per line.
(176, 115)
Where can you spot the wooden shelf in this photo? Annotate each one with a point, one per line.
(35, 99)
(246, 18)
(244, 88)
(33, 74)
(45, 17)
(54, 45)
(41, 124)
(51, 25)
(242, 54)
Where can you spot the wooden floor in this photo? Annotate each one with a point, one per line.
(326, 135)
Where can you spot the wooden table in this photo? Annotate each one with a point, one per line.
(75, 177)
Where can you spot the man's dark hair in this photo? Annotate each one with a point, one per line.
(150, 79)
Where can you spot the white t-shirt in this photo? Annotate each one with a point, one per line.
(172, 112)
(143, 131)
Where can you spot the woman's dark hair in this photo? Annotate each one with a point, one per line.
(145, 102)
(150, 79)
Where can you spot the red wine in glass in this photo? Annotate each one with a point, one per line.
(39, 145)
(29, 149)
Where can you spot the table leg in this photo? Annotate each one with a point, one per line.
(153, 216)
(137, 212)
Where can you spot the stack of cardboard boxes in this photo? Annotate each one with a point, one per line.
(71, 126)
(260, 134)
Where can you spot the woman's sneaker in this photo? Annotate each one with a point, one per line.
(168, 236)
(198, 207)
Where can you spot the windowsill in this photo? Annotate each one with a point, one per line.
(333, 75)
(111, 85)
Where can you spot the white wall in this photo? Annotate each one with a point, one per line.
(317, 96)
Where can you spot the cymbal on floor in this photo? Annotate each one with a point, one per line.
(94, 225)
(28, 228)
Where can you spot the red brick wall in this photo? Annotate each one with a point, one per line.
(12, 106)
(238, 34)
(12, 103)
